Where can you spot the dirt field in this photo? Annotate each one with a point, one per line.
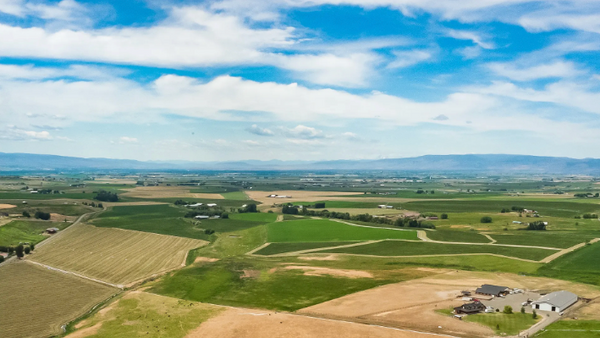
(114, 255)
(235, 323)
(7, 206)
(412, 304)
(36, 302)
(61, 218)
(588, 312)
(167, 192)
(319, 271)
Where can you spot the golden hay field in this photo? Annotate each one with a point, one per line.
(36, 301)
(114, 255)
(167, 192)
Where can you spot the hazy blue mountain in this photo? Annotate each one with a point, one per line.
(492, 163)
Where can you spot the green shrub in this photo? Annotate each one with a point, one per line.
(486, 219)
(508, 309)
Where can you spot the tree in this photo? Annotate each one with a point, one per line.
(1, 259)
(320, 205)
(42, 215)
(106, 196)
(522, 309)
(26, 214)
(486, 219)
(539, 225)
(19, 251)
(534, 314)
(32, 246)
(27, 250)
(508, 309)
(225, 215)
(444, 216)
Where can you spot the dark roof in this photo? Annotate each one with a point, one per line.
(470, 308)
(487, 289)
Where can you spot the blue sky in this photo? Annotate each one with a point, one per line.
(299, 79)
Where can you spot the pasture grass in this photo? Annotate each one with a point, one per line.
(503, 324)
(289, 290)
(278, 248)
(235, 243)
(264, 217)
(16, 232)
(457, 236)
(113, 255)
(402, 248)
(235, 195)
(150, 315)
(37, 301)
(330, 231)
(571, 328)
(555, 239)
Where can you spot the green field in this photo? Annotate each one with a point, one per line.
(554, 239)
(581, 266)
(572, 328)
(255, 217)
(503, 324)
(235, 195)
(222, 283)
(457, 236)
(329, 231)
(402, 248)
(167, 220)
(16, 232)
(564, 208)
(277, 248)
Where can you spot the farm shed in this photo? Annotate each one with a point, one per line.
(201, 217)
(211, 205)
(492, 290)
(194, 205)
(555, 301)
(52, 230)
(470, 308)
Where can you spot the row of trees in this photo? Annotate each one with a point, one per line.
(92, 204)
(400, 222)
(539, 225)
(106, 196)
(38, 214)
(587, 195)
(20, 250)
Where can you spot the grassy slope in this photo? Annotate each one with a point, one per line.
(330, 231)
(153, 316)
(16, 232)
(581, 266)
(255, 217)
(398, 248)
(221, 283)
(572, 328)
(235, 195)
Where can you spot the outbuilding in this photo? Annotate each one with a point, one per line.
(492, 290)
(470, 308)
(555, 301)
(201, 217)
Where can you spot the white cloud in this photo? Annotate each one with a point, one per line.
(557, 69)
(471, 52)
(12, 132)
(409, 58)
(256, 130)
(12, 7)
(65, 10)
(127, 140)
(475, 37)
(29, 72)
(303, 132)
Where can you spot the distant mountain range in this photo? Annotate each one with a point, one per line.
(491, 163)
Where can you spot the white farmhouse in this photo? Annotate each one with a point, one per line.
(555, 301)
(210, 205)
(201, 217)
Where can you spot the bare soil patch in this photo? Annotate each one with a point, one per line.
(319, 258)
(318, 271)
(235, 323)
(205, 259)
(167, 192)
(412, 304)
(88, 331)
(589, 312)
(61, 218)
(251, 274)
(7, 206)
(313, 196)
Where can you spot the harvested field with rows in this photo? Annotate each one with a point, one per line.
(114, 255)
(36, 301)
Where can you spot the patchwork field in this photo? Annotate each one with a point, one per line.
(113, 255)
(36, 302)
(581, 265)
(167, 192)
(330, 231)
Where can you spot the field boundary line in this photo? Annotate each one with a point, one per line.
(299, 252)
(567, 250)
(492, 241)
(251, 252)
(439, 255)
(75, 274)
(367, 226)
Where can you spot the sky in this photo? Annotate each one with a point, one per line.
(229, 80)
